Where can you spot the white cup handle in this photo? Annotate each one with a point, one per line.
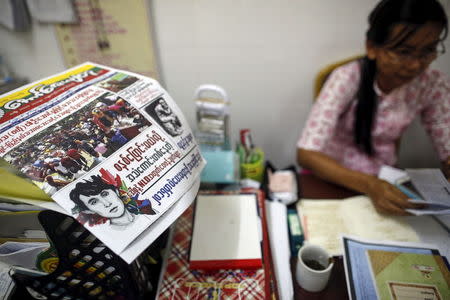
(212, 88)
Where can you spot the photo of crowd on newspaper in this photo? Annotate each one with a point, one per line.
(118, 82)
(68, 149)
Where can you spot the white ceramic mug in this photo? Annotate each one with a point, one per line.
(308, 278)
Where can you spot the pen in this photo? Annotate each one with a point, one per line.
(407, 192)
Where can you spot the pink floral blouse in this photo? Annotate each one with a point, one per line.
(329, 128)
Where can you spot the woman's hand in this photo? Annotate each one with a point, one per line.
(388, 199)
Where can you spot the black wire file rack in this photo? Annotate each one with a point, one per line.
(87, 269)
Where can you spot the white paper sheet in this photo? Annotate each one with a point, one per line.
(434, 189)
(21, 254)
(6, 282)
(432, 185)
(279, 244)
(392, 175)
(54, 11)
(225, 229)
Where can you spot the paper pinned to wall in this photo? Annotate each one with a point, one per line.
(110, 32)
(53, 11)
(14, 15)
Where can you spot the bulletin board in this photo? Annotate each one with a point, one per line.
(114, 33)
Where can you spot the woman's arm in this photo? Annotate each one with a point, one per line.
(385, 197)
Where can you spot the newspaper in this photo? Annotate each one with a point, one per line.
(110, 147)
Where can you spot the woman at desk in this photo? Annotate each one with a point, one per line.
(365, 106)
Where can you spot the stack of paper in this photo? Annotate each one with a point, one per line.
(226, 233)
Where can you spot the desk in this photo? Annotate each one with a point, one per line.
(312, 187)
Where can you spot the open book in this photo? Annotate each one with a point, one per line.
(324, 221)
(109, 146)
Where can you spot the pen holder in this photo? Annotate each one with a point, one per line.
(254, 170)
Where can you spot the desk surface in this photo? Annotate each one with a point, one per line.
(312, 187)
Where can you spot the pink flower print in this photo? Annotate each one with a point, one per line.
(341, 89)
(437, 95)
(316, 142)
(342, 105)
(328, 113)
(381, 125)
(439, 133)
(313, 124)
(329, 131)
(432, 111)
(383, 114)
(314, 114)
(350, 155)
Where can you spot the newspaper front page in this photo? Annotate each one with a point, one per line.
(109, 146)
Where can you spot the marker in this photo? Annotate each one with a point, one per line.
(296, 236)
(407, 192)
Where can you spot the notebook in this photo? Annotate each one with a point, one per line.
(226, 234)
